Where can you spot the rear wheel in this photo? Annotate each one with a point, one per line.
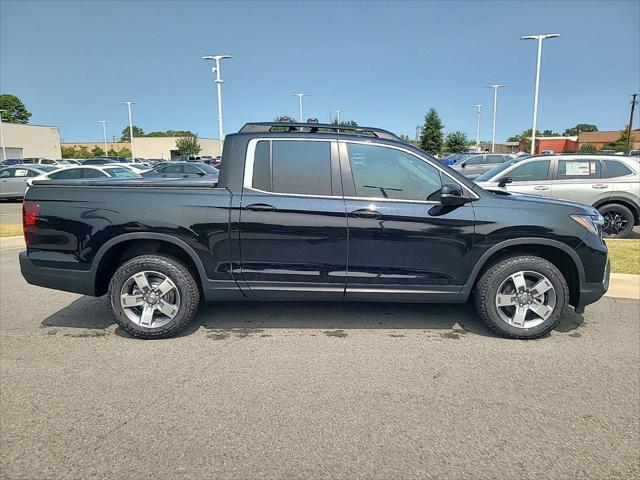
(153, 296)
(618, 220)
(522, 297)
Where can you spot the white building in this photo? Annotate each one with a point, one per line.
(24, 141)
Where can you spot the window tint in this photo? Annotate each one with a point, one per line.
(614, 169)
(172, 169)
(20, 172)
(382, 172)
(120, 172)
(67, 173)
(6, 173)
(474, 160)
(91, 173)
(578, 169)
(301, 167)
(530, 172)
(495, 158)
(190, 169)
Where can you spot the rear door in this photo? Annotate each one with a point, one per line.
(293, 226)
(579, 180)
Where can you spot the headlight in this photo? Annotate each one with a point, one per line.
(593, 223)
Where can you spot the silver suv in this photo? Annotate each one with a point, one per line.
(483, 162)
(610, 183)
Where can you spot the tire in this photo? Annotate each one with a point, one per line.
(618, 220)
(498, 279)
(157, 284)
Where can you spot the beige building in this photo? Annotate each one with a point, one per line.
(153, 147)
(25, 141)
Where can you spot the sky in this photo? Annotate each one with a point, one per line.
(384, 63)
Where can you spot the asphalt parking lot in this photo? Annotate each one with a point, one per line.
(10, 211)
(293, 390)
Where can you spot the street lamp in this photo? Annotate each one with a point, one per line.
(128, 104)
(104, 133)
(4, 151)
(219, 82)
(478, 107)
(495, 87)
(539, 38)
(338, 110)
(300, 101)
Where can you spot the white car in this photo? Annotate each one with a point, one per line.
(134, 167)
(86, 171)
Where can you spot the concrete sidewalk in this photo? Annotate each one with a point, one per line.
(622, 285)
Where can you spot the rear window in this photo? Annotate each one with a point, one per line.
(120, 172)
(299, 167)
(614, 169)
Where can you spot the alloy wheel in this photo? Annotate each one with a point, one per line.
(150, 299)
(525, 299)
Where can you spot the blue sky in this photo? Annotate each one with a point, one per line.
(385, 63)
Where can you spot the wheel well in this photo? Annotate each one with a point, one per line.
(123, 251)
(629, 205)
(557, 257)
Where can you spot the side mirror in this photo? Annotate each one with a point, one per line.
(451, 194)
(504, 180)
(462, 165)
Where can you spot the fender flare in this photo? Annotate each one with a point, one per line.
(147, 236)
(532, 241)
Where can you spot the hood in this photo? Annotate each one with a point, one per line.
(578, 208)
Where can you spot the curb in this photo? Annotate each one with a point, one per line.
(621, 285)
(9, 243)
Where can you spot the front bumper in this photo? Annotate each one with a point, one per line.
(592, 292)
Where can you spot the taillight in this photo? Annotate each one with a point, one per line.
(30, 215)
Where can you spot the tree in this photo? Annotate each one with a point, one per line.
(349, 123)
(168, 133)
(550, 133)
(188, 145)
(622, 144)
(15, 111)
(97, 152)
(432, 137)
(137, 132)
(283, 118)
(587, 148)
(456, 142)
(578, 129)
(405, 138)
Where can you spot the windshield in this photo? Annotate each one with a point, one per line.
(495, 171)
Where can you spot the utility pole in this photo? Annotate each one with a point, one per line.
(128, 104)
(478, 107)
(338, 111)
(630, 128)
(4, 151)
(219, 82)
(300, 105)
(495, 87)
(104, 136)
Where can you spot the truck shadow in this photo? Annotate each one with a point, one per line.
(94, 313)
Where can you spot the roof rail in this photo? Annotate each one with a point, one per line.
(279, 127)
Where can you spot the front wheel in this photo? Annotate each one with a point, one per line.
(522, 297)
(153, 296)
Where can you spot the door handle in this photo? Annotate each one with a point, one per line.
(541, 187)
(366, 213)
(599, 186)
(260, 207)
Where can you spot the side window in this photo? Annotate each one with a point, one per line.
(475, 160)
(190, 169)
(535, 171)
(578, 169)
(495, 158)
(91, 173)
(173, 169)
(298, 166)
(613, 169)
(382, 172)
(32, 173)
(7, 173)
(20, 172)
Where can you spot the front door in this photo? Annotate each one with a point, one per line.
(403, 243)
(293, 226)
(531, 177)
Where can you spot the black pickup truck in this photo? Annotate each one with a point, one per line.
(314, 212)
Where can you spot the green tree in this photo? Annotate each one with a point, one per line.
(188, 145)
(14, 109)
(550, 133)
(349, 123)
(456, 142)
(405, 138)
(432, 137)
(578, 129)
(623, 143)
(137, 132)
(97, 152)
(587, 148)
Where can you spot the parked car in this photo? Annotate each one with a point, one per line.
(609, 183)
(293, 218)
(182, 170)
(138, 168)
(86, 172)
(480, 163)
(456, 157)
(99, 161)
(11, 161)
(39, 161)
(13, 179)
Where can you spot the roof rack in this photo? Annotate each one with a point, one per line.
(279, 127)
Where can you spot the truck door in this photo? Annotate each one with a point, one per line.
(293, 226)
(403, 243)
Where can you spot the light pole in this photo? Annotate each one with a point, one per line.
(4, 151)
(219, 82)
(495, 87)
(338, 110)
(104, 134)
(300, 104)
(478, 107)
(128, 104)
(540, 39)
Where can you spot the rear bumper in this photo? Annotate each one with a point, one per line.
(592, 292)
(76, 281)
